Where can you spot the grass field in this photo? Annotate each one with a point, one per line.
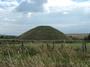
(44, 55)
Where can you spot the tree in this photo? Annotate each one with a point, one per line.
(1, 36)
(88, 38)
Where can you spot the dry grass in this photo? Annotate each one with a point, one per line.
(43, 55)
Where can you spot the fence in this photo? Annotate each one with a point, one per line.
(22, 42)
(16, 41)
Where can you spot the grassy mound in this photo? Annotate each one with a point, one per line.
(43, 33)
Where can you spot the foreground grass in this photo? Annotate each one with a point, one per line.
(44, 55)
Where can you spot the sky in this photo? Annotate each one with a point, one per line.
(68, 16)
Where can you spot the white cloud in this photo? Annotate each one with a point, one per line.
(60, 3)
(65, 12)
(66, 5)
(8, 5)
(29, 15)
(9, 20)
(56, 5)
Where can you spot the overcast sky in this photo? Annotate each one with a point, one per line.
(69, 16)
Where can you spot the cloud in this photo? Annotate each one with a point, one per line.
(31, 6)
(66, 5)
(8, 5)
(80, 0)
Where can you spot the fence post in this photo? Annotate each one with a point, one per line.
(84, 46)
(53, 45)
(22, 47)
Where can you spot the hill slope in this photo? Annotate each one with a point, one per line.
(43, 33)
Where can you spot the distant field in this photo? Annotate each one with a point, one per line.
(44, 55)
(78, 35)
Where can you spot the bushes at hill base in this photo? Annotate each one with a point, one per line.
(87, 38)
(7, 37)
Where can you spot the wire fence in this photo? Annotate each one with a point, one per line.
(13, 41)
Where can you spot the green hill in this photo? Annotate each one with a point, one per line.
(43, 33)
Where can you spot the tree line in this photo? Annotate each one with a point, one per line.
(7, 37)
